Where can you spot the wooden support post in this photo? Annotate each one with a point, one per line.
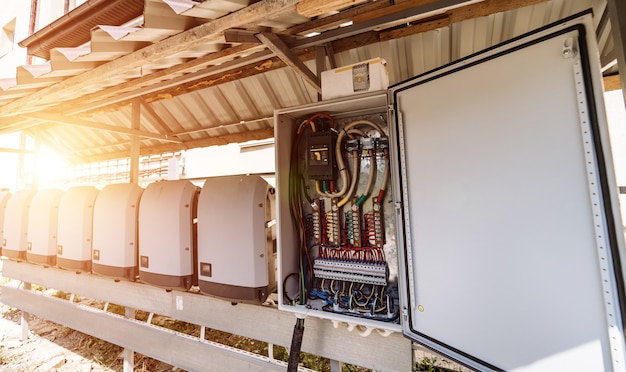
(37, 162)
(20, 173)
(335, 366)
(320, 65)
(24, 317)
(134, 144)
(129, 355)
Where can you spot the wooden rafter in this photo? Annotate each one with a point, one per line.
(282, 51)
(205, 142)
(313, 8)
(99, 126)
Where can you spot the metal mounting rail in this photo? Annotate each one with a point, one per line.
(264, 323)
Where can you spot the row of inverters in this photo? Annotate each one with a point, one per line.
(171, 234)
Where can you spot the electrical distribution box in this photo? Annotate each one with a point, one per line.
(336, 229)
(502, 240)
(5, 195)
(167, 236)
(15, 240)
(43, 218)
(236, 238)
(74, 241)
(115, 212)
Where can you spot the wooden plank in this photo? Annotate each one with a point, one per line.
(204, 142)
(416, 27)
(397, 8)
(462, 13)
(161, 344)
(282, 51)
(264, 323)
(334, 20)
(65, 120)
(313, 8)
(612, 82)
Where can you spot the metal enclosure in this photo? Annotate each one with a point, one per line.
(115, 231)
(76, 228)
(43, 219)
(167, 236)
(5, 195)
(509, 231)
(236, 247)
(15, 240)
(349, 252)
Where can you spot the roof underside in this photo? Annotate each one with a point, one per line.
(202, 73)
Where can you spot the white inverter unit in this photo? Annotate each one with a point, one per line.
(236, 250)
(5, 195)
(76, 228)
(43, 219)
(167, 237)
(114, 246)
(15, 238)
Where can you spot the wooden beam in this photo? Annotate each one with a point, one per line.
(16, 151)
(334, 20)
(313, 8)
(205, 142)
(165, 80)
(417, 27)
(393, 9)
(158, 121)
(612, 82)
(99, 126)
(282, 51)
(19, 126)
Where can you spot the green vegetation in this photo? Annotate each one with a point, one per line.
(434, 364)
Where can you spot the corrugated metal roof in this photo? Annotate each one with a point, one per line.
(200, 90)
(73, 28)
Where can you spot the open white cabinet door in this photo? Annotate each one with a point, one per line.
(509, 228)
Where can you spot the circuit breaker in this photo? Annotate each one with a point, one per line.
(336, 228)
